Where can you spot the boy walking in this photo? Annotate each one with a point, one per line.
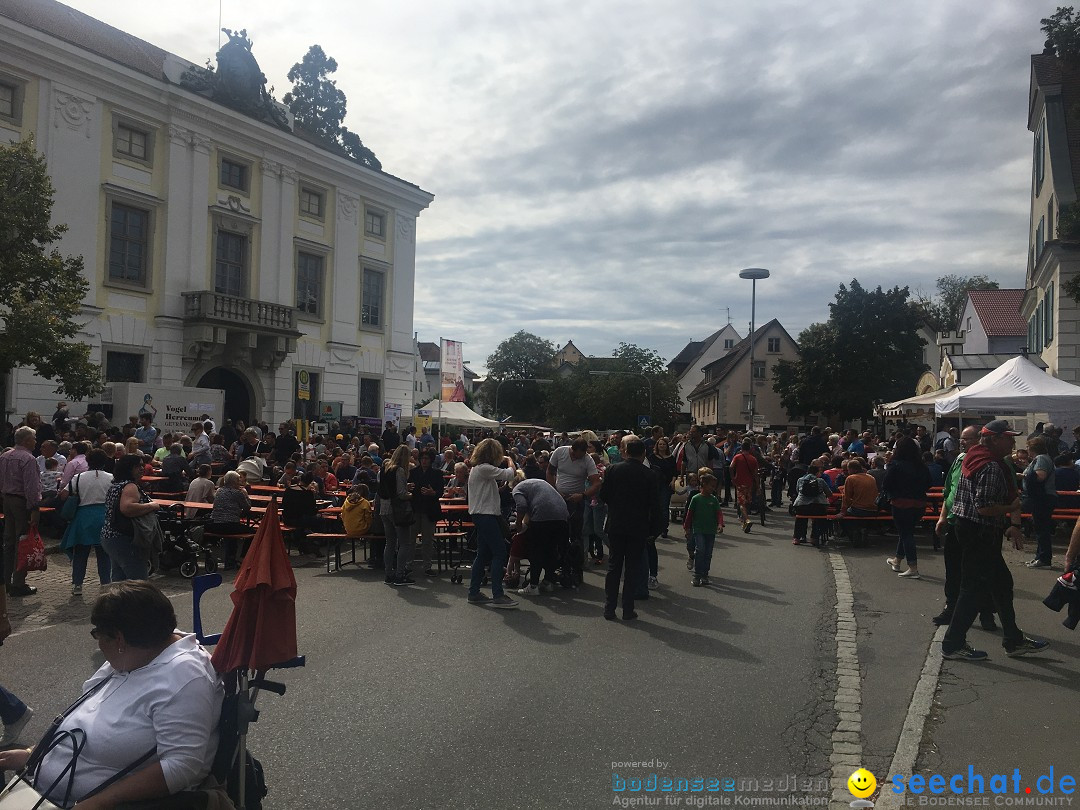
(704, 519)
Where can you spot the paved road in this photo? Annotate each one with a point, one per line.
(414, 698)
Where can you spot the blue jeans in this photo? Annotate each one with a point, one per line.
(592, 531)
(703, 545)
(79, 557)
(11, 708)
(1042, 510)
(490, 550)
(905, 520)
(125, 565)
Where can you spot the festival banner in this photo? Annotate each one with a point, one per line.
(453, 372)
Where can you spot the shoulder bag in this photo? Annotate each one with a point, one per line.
(71, 503)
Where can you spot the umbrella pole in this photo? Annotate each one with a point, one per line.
(241, 746)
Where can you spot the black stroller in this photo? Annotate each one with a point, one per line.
(178, 550)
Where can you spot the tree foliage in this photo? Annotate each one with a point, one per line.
(1062, 31)
(943, 312)
(522, 356)
(868, 350)
(43, 290)
(318, 105)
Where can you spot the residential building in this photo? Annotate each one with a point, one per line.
(722, 398)
(991, 322)
(224, 246)
(689, 364)
(1053, 258)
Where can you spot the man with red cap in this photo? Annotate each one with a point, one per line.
(986, 497)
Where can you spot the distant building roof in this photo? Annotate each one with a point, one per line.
(693, 350)
(999, 312)
(431, 356)
(986, 362)
(85, 32)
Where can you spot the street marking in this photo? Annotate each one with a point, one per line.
(907, 747)
(847, 736)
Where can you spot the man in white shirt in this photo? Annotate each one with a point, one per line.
(48, 450)
(573, 473)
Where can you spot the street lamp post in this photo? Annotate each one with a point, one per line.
(514, 379)
(630, 374)
(752, 273)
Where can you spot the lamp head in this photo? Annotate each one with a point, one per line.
(754, 273)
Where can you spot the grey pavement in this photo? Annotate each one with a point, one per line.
(412, 697)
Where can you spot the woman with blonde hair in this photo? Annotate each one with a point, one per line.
(485, 510)
(395, 509)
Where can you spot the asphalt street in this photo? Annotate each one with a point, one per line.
(414, 698)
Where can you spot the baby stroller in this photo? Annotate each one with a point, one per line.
(178, 550)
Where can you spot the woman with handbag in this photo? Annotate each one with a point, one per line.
(84, 507)
(126, 500)
(146, 724)
(396, 511)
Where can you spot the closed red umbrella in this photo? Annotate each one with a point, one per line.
(261, 630)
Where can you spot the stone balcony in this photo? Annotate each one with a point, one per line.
(260, 333)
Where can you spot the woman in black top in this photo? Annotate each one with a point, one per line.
(427, 488)
(663, 464)
(906, 482)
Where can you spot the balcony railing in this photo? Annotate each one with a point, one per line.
(236, 312)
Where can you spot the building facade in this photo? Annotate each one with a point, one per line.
(689, 364)
(224, 249)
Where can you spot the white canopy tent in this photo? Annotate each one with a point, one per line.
(913, 406)
(459, 414)
(1018, 386)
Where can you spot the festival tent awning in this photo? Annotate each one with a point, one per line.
(458, 413)
(1017, 386)
(923, 403)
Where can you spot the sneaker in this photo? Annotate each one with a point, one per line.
(965, 653)
(747, 526)
(690, 564)
(547, 586)
(894, 564)
(653, 583)
(1036, 563)
(911, 573)
(629, 615)
(705, 581)
(76, 590)
(479, 599)
(696, 582)
(390, 580)
(12, 732)
(798, 541)
(504, 602)
(405, 580)
(529, 590)
(609, 614)
(1028, 646)
(943, 618)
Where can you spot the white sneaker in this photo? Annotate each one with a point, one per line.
(76, 590)
(911, 573)
(653, 583)
(12, 732)
(529, 590)
(894, 564)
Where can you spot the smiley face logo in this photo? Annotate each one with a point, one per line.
(862, 783)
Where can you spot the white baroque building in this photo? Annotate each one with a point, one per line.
(224, 249)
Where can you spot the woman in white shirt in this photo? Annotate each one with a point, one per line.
(485, 509)
(150, 712)
(84, 532)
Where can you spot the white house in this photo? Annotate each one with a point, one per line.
(224, 247)
(689, 364)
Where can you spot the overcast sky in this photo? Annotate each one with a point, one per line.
(602, 169)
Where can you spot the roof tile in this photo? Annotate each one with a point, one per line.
(999, 312)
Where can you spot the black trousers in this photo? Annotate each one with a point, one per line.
(983, 572)
(628, 551)
(953, 554)
(811, 510)
(544, 538)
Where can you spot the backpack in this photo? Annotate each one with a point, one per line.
(940, 443)
(811, 488)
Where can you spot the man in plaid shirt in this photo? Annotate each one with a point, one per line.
(986, 497)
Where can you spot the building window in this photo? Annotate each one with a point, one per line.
(230, 263)
(1049, 320)
(124, 367)
(370, 401)
(1050, 218)
(1040, 150)
(729, 343)
(746, 403)
(759, 369)
(374, 224)
(234, 174)
(311, 203)
(774, 345)
(1039, 342)
(9, 102)
(132, 143)
(309, 284)
(371, 305)
(129, 245)
(1040, 237)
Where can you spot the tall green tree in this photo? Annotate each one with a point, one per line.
(1062, 31)
(522, 356)
(318, 105)
(868, 350)
(943, 311)
(43, 290)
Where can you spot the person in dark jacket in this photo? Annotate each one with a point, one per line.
(427, 489)
(906, 482)
(629, 490)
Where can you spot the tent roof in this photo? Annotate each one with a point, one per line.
(1017, 386)
(916, 404)
(458, 413)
